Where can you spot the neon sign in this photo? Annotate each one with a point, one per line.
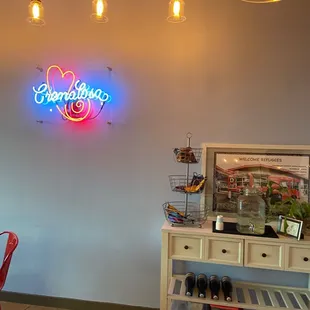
(76, 102)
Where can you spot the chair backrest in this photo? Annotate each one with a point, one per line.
(11, 245)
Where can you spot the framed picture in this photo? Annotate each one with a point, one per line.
(289, 227)
(282, 170)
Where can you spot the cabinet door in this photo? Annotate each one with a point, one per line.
(226, 251)
(297, 258)
(185, 247)
(264, 255)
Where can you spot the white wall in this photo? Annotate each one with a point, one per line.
(86, 203)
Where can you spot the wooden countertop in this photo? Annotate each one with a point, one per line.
(207, 231)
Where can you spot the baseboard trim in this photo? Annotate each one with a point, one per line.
(64, 303)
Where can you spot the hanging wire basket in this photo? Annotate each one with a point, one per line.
(194, 184)
(177, 214)
(187, 155)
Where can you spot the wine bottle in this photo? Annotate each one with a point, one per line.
(202, 285)
(227, 288)
(190, 282)
(214, 284)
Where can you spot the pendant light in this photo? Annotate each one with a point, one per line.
(261, 1)
(36, 13)
(176, 11)
(99, 12)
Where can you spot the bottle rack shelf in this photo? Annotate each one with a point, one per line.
(247, 295)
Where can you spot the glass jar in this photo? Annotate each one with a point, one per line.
(251, 209)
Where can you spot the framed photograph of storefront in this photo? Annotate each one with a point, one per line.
(230, 168)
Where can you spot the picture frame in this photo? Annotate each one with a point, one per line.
(294, 227)
(291, 156)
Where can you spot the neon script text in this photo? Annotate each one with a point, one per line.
(81, 91)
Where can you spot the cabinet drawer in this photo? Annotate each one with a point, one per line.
(186, 247)
(224, 251)
(297, 258)
(264, 255)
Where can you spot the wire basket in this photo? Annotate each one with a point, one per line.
(187, 155)
(177, 215)
(194, 184)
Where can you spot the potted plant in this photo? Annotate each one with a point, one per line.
(300, 211)
(274, 207)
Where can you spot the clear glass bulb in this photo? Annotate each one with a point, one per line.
(99, 14)
(36, 13)
(176, 11)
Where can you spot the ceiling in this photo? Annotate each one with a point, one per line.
(137, 32)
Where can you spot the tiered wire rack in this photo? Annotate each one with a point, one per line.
(186, 213)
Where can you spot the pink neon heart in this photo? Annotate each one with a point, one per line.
(70, 77)
(51, 73)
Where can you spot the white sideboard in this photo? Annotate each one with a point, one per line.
(202, 245)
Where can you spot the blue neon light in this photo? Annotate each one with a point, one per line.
(81, 91)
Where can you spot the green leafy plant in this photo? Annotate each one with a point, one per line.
(290, 207)
(298, 210)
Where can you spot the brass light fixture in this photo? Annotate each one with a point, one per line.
(261, 1)
(36, 13)
(99, 12)
(176, 11)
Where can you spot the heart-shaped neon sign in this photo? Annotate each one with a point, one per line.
(73, 98)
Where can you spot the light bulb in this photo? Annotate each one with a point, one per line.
(176, 8)
(176, 11)
(99, 14)
(36, 13)
(100, 8)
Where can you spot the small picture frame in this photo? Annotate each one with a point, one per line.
(293, 228)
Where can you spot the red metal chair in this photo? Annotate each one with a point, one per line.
(11, 245)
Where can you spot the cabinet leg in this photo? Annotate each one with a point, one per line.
(169, 303)
(166, 273)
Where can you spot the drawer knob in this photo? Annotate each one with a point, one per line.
(224, 251)
(186, 247)
(264, 255)
(306, 259)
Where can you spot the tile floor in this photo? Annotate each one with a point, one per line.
(10, 306)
